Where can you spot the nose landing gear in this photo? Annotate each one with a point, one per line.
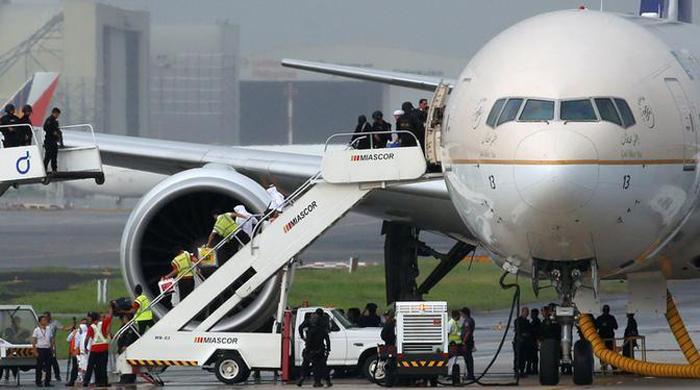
(576, 359)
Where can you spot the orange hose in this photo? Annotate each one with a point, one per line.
(680, 332)
(590, 333)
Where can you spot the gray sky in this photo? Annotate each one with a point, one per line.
(452, 28)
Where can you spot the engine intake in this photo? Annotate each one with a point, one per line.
(178, 213)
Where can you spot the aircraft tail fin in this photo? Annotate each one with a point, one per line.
(37, 92)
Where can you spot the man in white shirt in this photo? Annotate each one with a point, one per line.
(54, 326)
(246, 221)
(44, 346)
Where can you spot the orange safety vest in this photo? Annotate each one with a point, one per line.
(73, 347)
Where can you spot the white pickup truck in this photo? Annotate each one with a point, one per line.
(351, 347)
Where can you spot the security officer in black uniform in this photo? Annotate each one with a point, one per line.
(10, 134)
(606, 325)
(25, 132)
(314, 332)
(379, 124)
(53, 138)
(534, 342)
(520, 342)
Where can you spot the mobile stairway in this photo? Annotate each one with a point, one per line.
(25, 164)
(183, 337)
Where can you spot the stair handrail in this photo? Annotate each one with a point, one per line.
(363, 135)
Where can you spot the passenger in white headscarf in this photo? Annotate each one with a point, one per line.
(276, 201)
(246, 220)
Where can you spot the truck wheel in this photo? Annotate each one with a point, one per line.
(231, 370)
(549, 362)
(372, 369)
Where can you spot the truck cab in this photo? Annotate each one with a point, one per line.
(351, 347)
(17, 322)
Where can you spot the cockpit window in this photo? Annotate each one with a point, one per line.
(510, 111)
(538, 110)
(607, 110)
(577, 110)
(625, 112)
(495, 110)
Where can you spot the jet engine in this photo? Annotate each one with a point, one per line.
(177, 213)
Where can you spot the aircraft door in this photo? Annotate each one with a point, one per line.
(690, 134)
(433, 125)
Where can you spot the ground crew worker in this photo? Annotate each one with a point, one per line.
(52, 139)
(468, 328)
(182, 269)
(43, 345)
(54, 326)
(606, 325)
(10, 134)
(99, 333)
(318, 345)
(631, 332)
(520, 342)
(534, 342)
(142, 314)
(454, 329)
(25, 132)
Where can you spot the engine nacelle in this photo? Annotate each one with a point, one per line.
(178, 212)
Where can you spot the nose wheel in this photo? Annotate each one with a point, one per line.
(561, 356)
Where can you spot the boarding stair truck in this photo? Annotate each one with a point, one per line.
(25, 164)
(17, 322)
(184, 335)
(421, 343)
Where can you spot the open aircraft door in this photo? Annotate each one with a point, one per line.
(433, 125)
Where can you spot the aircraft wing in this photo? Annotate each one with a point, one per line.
(408, 80)
(287, 166)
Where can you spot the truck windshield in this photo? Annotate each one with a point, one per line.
(341, 319)
(16, 326)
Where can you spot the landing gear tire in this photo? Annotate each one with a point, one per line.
(583, 363)
(549, 362)
(231, 370)
(100, 179)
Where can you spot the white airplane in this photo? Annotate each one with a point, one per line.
(569, 152)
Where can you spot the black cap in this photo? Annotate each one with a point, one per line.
(9, 108)
(377, 114)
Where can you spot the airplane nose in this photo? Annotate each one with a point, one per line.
(556, 171)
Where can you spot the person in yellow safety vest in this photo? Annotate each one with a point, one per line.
(454, 329)
(142, 314)
(224, 225)
(182, 268)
